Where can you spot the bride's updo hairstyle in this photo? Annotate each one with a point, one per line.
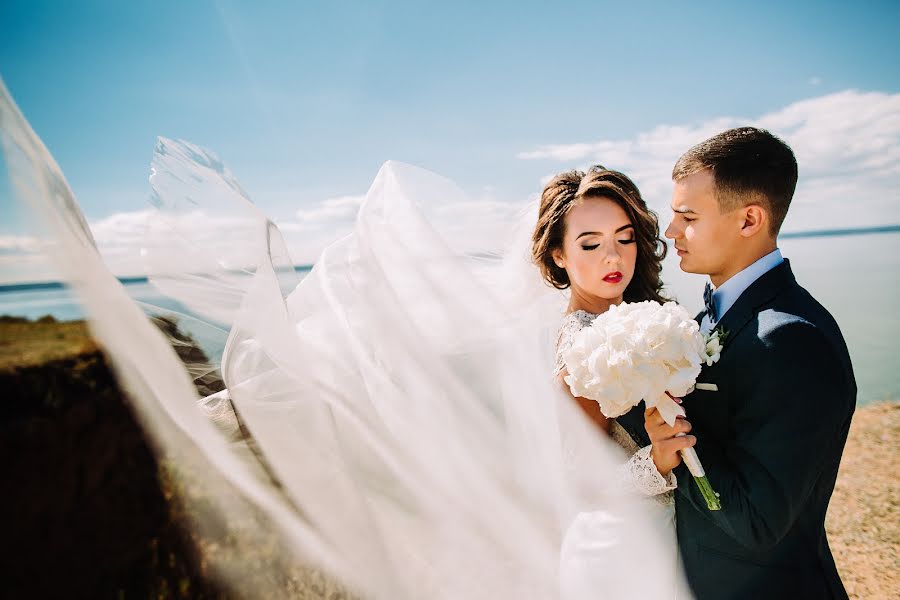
(567, 189)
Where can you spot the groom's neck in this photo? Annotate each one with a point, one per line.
(749, 255)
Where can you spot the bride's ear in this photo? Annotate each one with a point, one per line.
(558, 258)
(755, 219)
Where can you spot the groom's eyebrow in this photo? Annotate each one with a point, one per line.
(622, 228)
(684, 210)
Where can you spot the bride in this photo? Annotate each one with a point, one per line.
(595, 236)
(408, 436)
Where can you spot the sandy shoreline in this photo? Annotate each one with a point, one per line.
(863, 522)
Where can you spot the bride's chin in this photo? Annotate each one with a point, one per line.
(607, 297)
(610, 293)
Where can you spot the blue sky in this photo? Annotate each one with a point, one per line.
(305, 100)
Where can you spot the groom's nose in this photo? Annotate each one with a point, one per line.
(672, 231)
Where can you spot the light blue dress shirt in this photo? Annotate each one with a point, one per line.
(727, 294)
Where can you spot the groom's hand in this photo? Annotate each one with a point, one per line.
(667, 441)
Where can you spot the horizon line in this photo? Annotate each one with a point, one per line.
(21, 286)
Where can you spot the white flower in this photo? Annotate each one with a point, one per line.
(713, 348)
(638, 351)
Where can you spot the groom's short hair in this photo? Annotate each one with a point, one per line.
(749, 166)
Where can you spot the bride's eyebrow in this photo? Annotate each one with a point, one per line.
(620, 229)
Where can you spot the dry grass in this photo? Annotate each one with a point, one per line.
(863, 521)
(32, 343)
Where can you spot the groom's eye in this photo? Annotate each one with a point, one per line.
(591, 247)
(687, 220)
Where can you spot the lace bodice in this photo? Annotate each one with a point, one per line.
(572, 324)
(639, 471)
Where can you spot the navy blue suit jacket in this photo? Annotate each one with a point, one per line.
(770, 440)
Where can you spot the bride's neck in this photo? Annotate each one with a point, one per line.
(590, 303)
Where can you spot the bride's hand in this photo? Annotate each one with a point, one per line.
(666, 440)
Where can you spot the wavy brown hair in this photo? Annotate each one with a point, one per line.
(563, 192)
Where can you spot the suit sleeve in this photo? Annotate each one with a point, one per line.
(786, 428)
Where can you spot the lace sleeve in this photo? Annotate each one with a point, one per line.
(572, 324)
(640, 473)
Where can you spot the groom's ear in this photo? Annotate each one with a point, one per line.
(755, 219)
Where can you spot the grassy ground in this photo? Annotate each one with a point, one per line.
(30, 343)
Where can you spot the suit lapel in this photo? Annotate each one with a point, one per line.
(757, 294)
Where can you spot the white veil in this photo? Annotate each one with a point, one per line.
(409, 437)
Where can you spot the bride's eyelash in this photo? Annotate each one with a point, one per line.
(589, 248)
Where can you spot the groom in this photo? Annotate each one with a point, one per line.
(771, 437)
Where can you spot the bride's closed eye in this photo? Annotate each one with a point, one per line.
(623, 242)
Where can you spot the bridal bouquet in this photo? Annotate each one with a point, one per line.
(640, 351)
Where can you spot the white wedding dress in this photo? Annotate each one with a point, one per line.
(408, 437)
(585, 548)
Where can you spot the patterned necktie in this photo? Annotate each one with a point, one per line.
(710, 304)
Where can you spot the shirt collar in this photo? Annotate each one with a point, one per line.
(728, 293)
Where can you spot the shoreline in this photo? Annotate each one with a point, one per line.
(863, 521)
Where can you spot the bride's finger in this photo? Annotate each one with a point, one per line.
(677, 443)
(657, 429)
(681, 426)
(653, 420)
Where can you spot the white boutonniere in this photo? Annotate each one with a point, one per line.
(714, 343)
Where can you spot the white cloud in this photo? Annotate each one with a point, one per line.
(19, 268)
(121, 228)
(186, 240)
(341, 208)
(131, 242)
(20, 244)
(24, 258)
(847, 145)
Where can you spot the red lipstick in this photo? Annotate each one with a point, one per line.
(614, 277)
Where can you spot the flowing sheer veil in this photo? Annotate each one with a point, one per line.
(409, 437)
